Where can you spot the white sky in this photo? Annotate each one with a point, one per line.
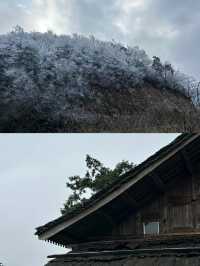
(34, 169)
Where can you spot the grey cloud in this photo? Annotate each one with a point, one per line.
(93, 17)
(11, 15)
(182, 17)
(169, 29)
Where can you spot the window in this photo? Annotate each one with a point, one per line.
(151, 228)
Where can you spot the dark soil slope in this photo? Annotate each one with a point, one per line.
(145, 109)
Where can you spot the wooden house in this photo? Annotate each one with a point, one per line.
(150, 216)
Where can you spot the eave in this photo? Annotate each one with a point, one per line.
(100, 204)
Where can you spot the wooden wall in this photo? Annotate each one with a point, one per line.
(177, 210)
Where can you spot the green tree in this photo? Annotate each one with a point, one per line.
(96, 178)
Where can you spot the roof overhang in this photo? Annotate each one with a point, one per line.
(64, 223)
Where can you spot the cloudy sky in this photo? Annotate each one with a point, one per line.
(169, 29)
(34, 170)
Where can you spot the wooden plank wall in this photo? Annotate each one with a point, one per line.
(177, 210)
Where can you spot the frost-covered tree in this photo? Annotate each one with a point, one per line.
(40, 73)
(157, 65)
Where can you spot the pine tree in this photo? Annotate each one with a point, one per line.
(96, 178)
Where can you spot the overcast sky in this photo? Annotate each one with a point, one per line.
(34, 170)
(169, 29)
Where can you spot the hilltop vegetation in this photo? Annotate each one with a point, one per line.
(44, 76)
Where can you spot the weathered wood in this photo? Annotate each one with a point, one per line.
(175, 210)
(128, 242)
(129, 200)
(158, 181)
(112, 194)
(146, 257)
(187, 162)
(164, 202)
(107, 217)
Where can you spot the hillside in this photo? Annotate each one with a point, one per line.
(53, 83)
(145, 109)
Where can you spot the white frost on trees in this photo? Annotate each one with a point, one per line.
(43, 70)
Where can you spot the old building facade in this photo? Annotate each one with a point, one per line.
(151, 214)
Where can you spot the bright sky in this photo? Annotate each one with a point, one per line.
(34, 169)
(169, 29)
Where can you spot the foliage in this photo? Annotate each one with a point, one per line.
(96, 178)
(41, 73)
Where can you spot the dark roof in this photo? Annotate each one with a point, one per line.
(165, 250)
(184, 251)
(189, 256)
(183, 138)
